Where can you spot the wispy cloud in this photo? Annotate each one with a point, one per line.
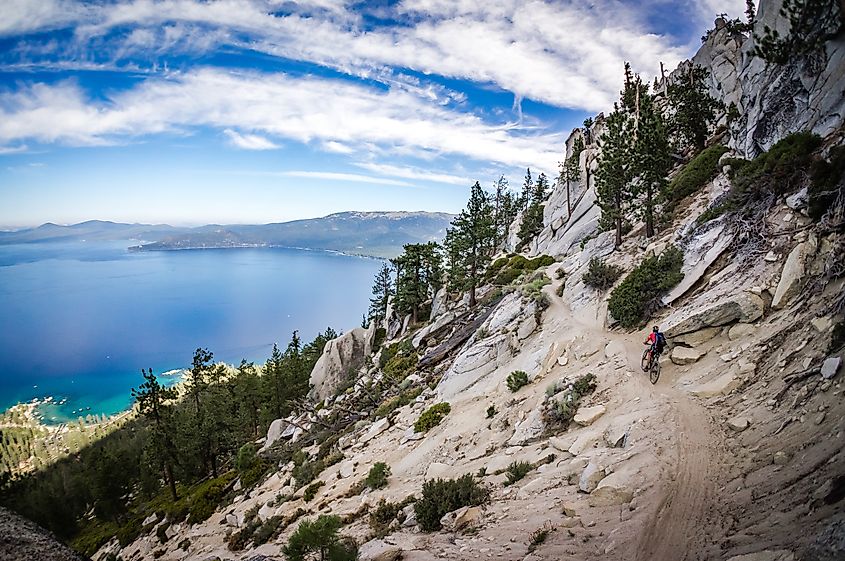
(334, 176)
(567, 54)
(249, 141)
(309, 110)
(13, 149)
(414, 173)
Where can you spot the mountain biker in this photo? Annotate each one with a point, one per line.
(657, 341)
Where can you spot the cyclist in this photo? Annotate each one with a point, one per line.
(658, 342)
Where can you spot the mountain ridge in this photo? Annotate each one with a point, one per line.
(369, 233)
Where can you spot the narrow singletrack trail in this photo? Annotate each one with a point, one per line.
(685, 493)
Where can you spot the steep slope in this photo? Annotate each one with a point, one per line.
(22, 540)
(736, 453)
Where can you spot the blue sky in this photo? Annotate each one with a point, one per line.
(252, 111)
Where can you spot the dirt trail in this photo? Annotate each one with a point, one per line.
(685, 495)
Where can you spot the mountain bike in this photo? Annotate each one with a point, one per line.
(651, 363)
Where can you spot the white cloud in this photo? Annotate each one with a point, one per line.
(568, 54)
(337, 147)
(249, 141)
(307, 110)
(414, 173)
(13, 149)
(334, 176)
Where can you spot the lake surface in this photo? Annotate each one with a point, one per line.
(79, 320)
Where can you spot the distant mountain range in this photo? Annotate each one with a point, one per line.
(377, 234)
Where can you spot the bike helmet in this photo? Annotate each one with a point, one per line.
(655, 329)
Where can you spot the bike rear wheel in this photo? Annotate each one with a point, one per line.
(654, 371)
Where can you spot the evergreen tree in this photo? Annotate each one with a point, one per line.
(532, 216)
(470, 242)
(648, 149)
(614, 173)
(248, 399)
(527, 190)
(382, 293)
(419, 275)
(153, 401)
(693, 109)
(570, 170)
(506, 207)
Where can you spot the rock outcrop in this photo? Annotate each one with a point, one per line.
(23, 540)
(341, 359)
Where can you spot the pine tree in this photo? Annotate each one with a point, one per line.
(649, 148)
(418, 276)
(470, 242)
(382, 293)
(614, 173)
(693, 109)
(570, 171)
(506, 207)
(153, 401)
(532, 216)
(527, 190)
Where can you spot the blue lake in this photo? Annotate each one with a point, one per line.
(79, 320)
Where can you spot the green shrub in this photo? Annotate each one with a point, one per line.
(440, 496)
(559, 411)
(491, 411)
(268, 529)
(431, 417)
(780, 170)
(379, 337)
(516, 471)
(518, 262)
(306, 472)
(601, 275)
(397, 401)
(507, 276)
(638, 296)
(311, 491)
(826, 183)
(250, 467)
(701, 169)
(383, 516)
(185, 544)
(161, 532)
(321, 538)
(400, 366)
(516, 380)
(204, 498)
(377, 476)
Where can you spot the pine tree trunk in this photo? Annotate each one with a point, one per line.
(618, 230)
(168, 473)
(649, 213)
(568, 204)
(214, 465)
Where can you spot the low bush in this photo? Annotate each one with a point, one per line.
(491, 411)
(561, 406)
(400, 366)
(516, 471)
(397, 401)
(379, 337)
(311, 491)
(320, 538)
(440, 496)
(266, 530)
(601, 275)
(538, 536)
(837, 337)
(250, 467)
(204, 498)
(701, 169)
(377, 476)
(780, 170)
(507, 276)
(516, 380)
(638, 296)
(504, 271)
(386, 513)
(431, 417)
(826, 183)
(306, 471)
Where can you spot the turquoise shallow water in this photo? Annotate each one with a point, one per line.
(79, 320)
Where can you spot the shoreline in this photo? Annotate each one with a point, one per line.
(146, 248)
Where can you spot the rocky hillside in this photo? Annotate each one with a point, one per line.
(735, 453)
(22, 540)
